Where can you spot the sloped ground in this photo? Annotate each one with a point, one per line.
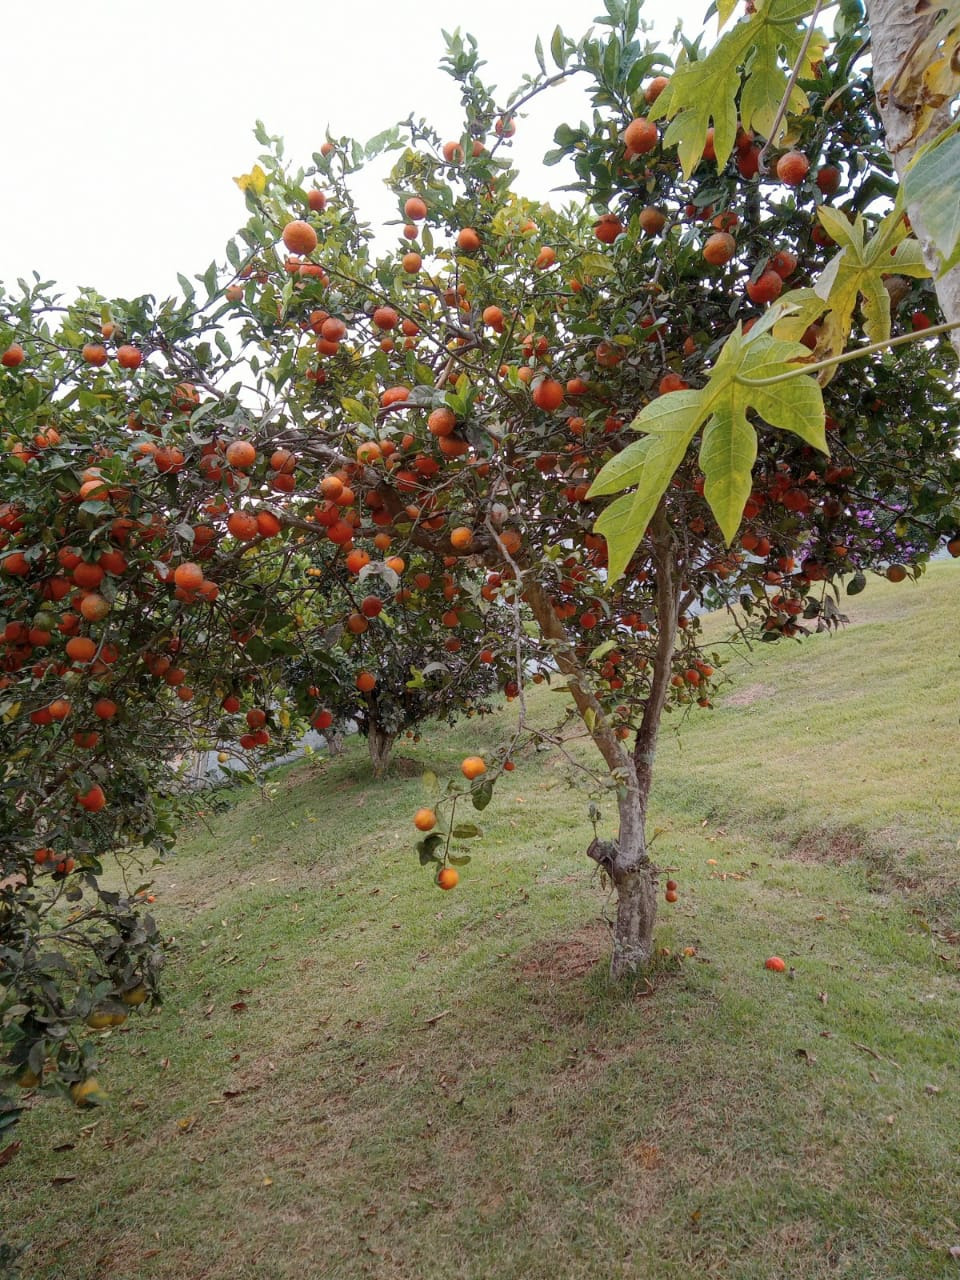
(354, 1075)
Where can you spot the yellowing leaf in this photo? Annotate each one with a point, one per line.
(856, 271)
(670, 423)
(729, 445)
(255, 180)
(930, 77)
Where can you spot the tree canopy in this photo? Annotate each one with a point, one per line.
(524, 441)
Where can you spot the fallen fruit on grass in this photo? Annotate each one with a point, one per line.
(776, 964)
(87, 1093)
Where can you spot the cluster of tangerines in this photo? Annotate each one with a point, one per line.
(425, 819)
(92, 353)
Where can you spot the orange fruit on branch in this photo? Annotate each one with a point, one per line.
(425, 819)
(299, 237)
(472, 767)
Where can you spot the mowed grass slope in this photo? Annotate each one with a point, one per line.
(356, 1075)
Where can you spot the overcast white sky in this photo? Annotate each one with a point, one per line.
(125, 124)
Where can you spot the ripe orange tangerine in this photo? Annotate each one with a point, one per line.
(425, 819)
(448, 878)
(299, 237)
(472, 767)
(241, 454)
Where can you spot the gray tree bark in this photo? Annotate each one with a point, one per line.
(895, 26)
(625, 860)
(380, 744)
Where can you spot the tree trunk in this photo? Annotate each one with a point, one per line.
(380, 744)
(625, 860)
(895, 25)
(335, 742)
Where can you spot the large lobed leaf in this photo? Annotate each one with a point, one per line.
(757, 54)
(857, 271)
(729, 444)
(929, 78)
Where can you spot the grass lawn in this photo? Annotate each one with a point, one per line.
(356, 1075)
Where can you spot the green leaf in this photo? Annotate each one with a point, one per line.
(671, 423)
(856, 584)
(538, 52)
(729, 442)
(727, 455)
(931, 182)
(558, 48)
(458, 859)
(465, 831)
(429, 780)
(755, 54)
(427, 849)
(356, 410)
(482, 793)
(602, 650)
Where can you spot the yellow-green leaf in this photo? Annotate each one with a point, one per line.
(750, 62)
(670, 423)
(856, 272)
(255, 180)
(729, 445)
(727, 455)
(931, 182)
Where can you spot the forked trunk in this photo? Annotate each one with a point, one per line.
(380, 744)
(625, 859)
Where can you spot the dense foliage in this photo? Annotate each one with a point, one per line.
(334, 473)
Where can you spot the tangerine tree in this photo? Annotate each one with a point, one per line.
(201, 496)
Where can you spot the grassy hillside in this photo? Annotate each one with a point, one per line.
(355, 1075)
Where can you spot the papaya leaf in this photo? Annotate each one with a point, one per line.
(756, 53)
(931, 182)
(727, 455)
(856, 271)
(930, 77)
(670, 423)
(728, 450)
